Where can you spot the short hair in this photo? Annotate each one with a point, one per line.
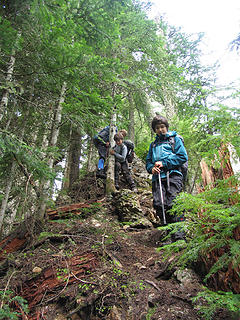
(123, 132)
(158, 119)
(118, 136)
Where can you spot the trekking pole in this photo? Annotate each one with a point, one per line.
(161, 195)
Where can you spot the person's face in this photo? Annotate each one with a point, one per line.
(161, 129)
(119, 142)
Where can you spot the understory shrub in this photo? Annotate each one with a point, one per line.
(212, 228)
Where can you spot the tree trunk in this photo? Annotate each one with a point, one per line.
(6, 194)
(169, 105)
(74, 156)
(234, 159)
(4, 100)
(65, 183)
(90, 161)
(131, 126)
(110, 185)
(53, 142)
(9, 220)
(12, 174)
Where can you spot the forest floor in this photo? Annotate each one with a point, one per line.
(86, 264)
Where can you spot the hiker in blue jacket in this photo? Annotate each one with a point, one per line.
(164, 164)
(101, 142)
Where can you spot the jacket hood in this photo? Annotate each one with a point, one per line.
(167, 135)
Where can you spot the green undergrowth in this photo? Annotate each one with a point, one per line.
(211, 219)
(7, 305)
(208, 302)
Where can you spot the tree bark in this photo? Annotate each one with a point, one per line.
(6, 194)
(90, 160)
(12, 175)
(131, 126)
(210, 174)
(53, 142)
(74, 156)
(4, 100)
(9, 220)
(110, 185)
(169, 105)
(65, 183)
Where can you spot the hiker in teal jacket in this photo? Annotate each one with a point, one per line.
(162, 159)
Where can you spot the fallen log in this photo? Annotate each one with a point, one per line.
(9, 245)
(20, 237)
(64, 211)
(52, 281)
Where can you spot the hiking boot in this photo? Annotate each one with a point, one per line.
(178, 236)
(101, 174)
(156, 222)
(134, 189)
(167, 242)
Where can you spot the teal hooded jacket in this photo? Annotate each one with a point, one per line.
(161, 150)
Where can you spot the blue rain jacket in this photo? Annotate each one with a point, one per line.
(161, 150)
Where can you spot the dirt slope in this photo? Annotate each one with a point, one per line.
(86, 264)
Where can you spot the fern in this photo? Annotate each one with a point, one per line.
(7, 305)
(208, 302)
(211, 218)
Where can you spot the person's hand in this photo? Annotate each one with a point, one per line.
(157, 167)
(112, 151)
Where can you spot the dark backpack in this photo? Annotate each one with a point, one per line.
(130, 150)
(184, 167)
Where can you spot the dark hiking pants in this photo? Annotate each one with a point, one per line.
(169, 194)
(126, 173)
(101, 147)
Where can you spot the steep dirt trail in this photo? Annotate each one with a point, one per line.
(90, 266)
(96, 259)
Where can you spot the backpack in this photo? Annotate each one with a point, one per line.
(130, 150)
(104, 134)
(184, 167)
